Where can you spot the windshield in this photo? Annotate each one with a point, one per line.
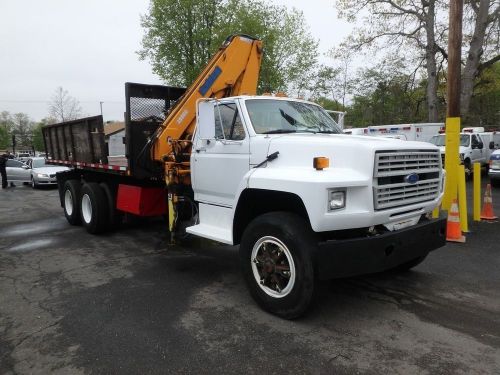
(438, 140)
(281, 116)
(38, 163)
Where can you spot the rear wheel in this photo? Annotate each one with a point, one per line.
(71, 201)
(94, 208)
(276, 255)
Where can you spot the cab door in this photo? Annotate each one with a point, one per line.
(219, 164)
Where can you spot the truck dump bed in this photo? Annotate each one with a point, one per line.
(82, 143)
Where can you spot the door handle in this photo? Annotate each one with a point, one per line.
(201, 149)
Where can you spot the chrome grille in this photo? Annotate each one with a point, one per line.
(392, 168)
(52, 175)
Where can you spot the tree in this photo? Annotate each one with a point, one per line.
(482, 23)
(400, 27)
(22, 129)
(64, 107)
(4, 138)
(181, 36)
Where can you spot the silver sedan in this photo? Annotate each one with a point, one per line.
(42, 173)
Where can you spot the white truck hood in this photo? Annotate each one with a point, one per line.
(344, 151)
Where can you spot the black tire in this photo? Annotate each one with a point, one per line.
(495, 183)
(409, 265)
(34, 185)
(114, 216)
(94, 208)
(298, 239)
(71, 201)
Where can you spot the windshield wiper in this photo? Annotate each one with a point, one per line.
(278, 131)
(326, 131)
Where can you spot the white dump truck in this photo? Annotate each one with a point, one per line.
(274, 175)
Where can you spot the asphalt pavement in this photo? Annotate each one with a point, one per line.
(126, 302)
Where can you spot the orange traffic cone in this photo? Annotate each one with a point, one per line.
(453, 231)
(487, 211)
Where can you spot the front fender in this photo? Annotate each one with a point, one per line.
(312, 187)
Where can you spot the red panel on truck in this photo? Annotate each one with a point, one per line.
(142, 201)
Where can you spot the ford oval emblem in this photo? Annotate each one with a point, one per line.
(412, 178)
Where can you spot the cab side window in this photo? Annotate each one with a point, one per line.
(228, 123)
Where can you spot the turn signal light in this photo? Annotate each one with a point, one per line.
(320, 162)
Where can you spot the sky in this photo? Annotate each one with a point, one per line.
(89, 48)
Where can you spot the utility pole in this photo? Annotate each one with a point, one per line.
(100, 103)
(452, 159)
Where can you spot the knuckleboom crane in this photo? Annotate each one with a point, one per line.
(232, 71)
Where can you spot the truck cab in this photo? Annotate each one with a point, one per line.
(261, 163)
(474, 147)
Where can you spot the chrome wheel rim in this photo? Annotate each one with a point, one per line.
(273, 267)
(68, 202)
(86, 208)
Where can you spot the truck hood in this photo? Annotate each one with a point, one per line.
(344, 151)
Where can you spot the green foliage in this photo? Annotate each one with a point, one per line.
(181, 36)
(485, 105)
(38, 137)
(4, 138)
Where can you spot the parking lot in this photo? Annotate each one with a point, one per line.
(125, 302)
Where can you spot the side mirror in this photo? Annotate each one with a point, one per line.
(206, 120)
(492, 145)
(25, 167)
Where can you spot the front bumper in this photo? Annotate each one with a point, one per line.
(45, 180)
(494, 174)
(343, 258)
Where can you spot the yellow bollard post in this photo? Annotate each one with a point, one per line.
(451, 160)
(477, 192)
(462, 200)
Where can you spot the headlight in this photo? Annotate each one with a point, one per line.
(336, 199)
(42, 175)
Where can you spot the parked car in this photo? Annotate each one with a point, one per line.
(42, 173)
(494, 171)
(17, 171)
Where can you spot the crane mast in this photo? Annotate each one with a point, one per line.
(232, 71)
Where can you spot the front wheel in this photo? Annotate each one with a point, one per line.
(34, 185)
(276, 255)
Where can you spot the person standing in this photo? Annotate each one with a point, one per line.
(3, 164)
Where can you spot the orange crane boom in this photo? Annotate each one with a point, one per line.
(232, 71)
